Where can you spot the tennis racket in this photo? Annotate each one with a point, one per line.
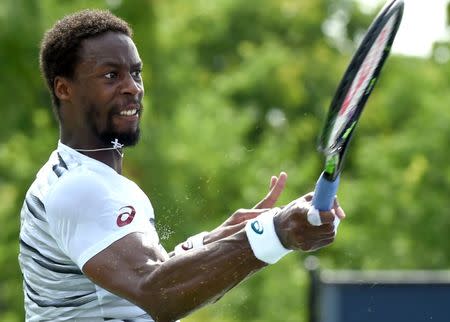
(351, 96)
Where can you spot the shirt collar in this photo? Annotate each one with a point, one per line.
(70, 155)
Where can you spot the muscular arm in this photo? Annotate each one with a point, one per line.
(169, 289)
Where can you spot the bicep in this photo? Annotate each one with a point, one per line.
(123, 266)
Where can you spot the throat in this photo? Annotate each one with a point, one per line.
(111, 156)
(115, 146)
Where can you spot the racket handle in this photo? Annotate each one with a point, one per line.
(324, 193)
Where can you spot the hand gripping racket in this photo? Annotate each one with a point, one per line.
(350, 98)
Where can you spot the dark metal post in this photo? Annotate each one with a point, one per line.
(312, 265)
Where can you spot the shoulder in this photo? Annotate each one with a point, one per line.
(77, 188)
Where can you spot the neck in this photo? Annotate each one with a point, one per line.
(112, 158)
(111, 155)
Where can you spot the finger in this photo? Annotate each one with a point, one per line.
(323, 232)
(247, 214)
(309, 196)
(316, 218)
(271, 198)
(273, 181)
(323, 243)
(340, 213)
(279, 183)
(327, 217)
(338, 209)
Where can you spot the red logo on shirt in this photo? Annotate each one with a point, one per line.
(126, 216)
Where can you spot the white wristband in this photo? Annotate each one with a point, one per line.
(263, 238)
(192, 242)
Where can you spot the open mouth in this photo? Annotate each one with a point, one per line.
(131, 112)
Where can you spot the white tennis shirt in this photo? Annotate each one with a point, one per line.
(76, 207)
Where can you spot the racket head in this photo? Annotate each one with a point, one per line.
(357, 85)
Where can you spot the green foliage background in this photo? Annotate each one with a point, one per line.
(236, 92)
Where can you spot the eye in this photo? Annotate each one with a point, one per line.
(137, 74)
(111, 75)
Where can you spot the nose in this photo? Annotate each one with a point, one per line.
(132, 86)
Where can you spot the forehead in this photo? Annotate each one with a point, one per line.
(111, 47)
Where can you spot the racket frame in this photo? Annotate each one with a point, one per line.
(328, 182)
(335, 154)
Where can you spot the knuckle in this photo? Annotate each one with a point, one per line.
(306, 247)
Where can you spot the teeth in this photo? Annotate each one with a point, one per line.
(128, 112)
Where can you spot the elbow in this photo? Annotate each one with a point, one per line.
(165, 319)
(159, 314)
(156, 301)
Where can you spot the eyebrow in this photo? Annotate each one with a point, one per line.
(118, 65)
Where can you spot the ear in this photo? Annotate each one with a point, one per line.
(63, 88)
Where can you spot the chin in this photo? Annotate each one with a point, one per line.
(127, 139)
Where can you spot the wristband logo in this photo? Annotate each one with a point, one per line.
(257, 227)
(126, 216)
(187, 245)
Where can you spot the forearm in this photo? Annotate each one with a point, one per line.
(185, 283)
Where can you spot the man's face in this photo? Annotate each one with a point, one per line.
(108, 88)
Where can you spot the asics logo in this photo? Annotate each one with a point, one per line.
(187, 245)
(257, 227)
(126, 216)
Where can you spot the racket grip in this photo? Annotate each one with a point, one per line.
(324, 193)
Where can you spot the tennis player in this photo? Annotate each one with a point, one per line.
(89, 250)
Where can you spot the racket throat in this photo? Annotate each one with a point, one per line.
(332, 167)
